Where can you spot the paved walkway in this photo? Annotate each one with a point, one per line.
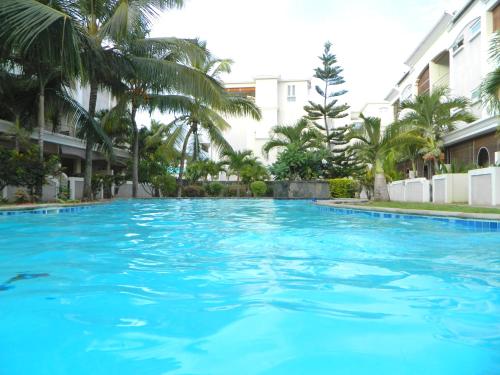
(462, 215)
(34, 206)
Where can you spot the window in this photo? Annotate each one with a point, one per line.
(291, 93)
(475, 95)
(407, 93)
(458, 45)
(474, 28)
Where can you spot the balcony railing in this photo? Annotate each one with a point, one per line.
(443, 81)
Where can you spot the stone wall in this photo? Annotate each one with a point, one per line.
(301, 190)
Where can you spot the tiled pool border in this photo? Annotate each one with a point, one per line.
(44, 210)
(475, 224)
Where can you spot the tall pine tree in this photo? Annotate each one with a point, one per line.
(342, 162)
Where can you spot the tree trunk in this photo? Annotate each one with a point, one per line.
(41, 119)
(181, 166)
(87, 177)
(238, 185)
(135, 155)
(436, 167)
(41, 126)
(380, 192)
(16, 136)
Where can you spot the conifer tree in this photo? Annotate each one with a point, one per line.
(342, 162)
(322, 114)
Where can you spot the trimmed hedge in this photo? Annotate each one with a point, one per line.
(258, 188)
(342, 187)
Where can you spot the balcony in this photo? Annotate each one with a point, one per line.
(443, 81)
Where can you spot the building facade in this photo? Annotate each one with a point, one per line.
(454, 54)
(281, 101)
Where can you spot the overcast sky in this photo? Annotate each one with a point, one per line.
(371, 38)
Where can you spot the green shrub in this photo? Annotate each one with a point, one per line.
(193, 191)
(214, 189)
(258, 188)
(166, 184)
(342, 187)
(232, 191)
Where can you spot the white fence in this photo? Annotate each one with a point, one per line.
(412, 190)
(484, 186)
(450, 188)
(50, 191)
(125, 191)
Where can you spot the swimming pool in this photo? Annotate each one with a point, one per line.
(245, 287)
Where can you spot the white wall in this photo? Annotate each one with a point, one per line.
(271, 95)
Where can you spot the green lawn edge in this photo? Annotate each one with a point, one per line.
(435, 207)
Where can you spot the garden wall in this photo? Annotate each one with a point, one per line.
(301, 190)
(125, 191)
(484, 186)
(50, 191)
(450, 188)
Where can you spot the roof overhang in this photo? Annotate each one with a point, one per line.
(429, 39)
(393, 94)
(472, 130)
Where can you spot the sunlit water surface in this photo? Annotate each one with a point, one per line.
(245, 287)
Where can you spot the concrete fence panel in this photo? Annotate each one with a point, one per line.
(397, 191)
(450, 188)
(417, 190)
(484, 186)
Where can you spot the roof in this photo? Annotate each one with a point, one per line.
(439, 28)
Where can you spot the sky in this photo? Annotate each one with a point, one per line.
(371, 38)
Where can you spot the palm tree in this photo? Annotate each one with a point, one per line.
(490, 88)
(43, 41)
(157, 80)
(236, 162)
(373, 146)
(103, 21)
(301, 135)
(204, 118)
(431, 116)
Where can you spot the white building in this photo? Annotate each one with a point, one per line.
(455, 54)
(382, 110)
(281, 102)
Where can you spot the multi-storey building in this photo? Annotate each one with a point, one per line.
(454, 54)
(281, 102)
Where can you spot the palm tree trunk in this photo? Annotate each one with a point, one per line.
(41, 126)
(16, 137)
(380, 191)
(41, 119)
(436, 166)
(87, 177)
(238, 185)
(135, 154)
(181, 166)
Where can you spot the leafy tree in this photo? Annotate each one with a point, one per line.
(295, 163)
(31, 172)
(8, 171)
(331, 75)
(430, 117)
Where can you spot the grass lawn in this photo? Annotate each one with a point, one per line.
(436, 207)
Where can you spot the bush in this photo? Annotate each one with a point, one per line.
(193, 191)
(214, 189)
(258, 188)
(232, 191)
(166, 184)
(342, 187)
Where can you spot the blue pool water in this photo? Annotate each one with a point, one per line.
(245, 287)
